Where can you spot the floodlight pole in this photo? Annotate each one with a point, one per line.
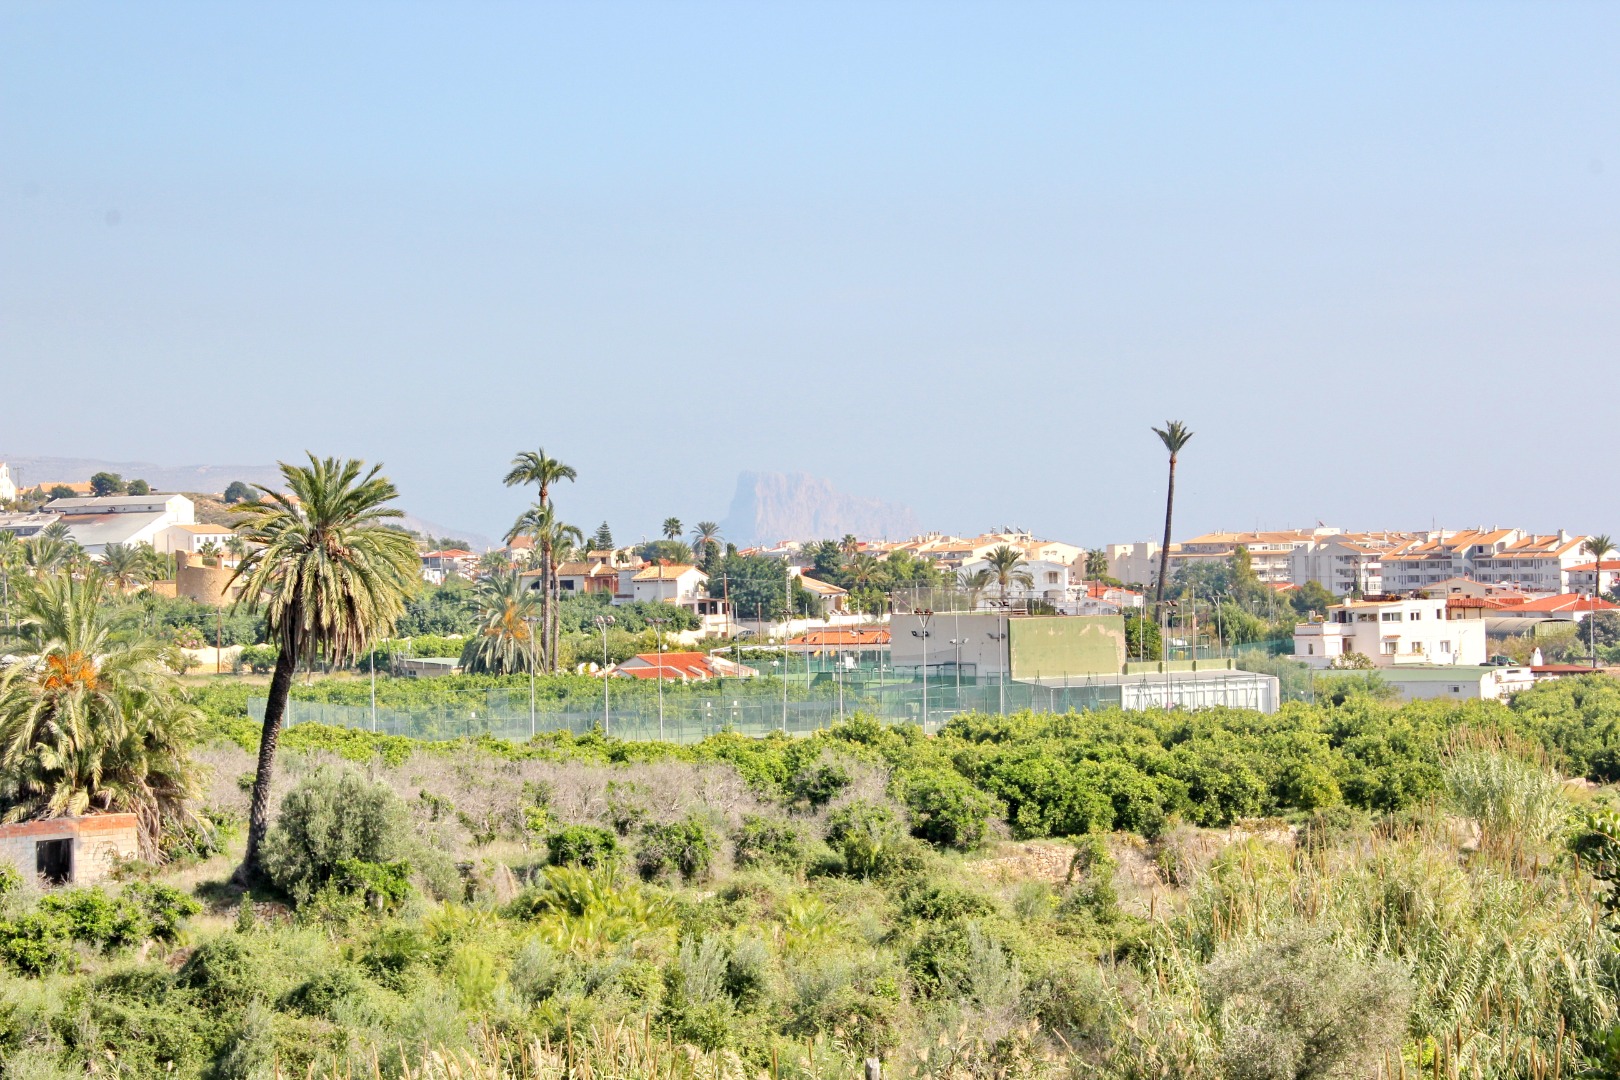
(925, 615)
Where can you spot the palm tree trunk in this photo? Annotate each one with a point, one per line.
(275, 708)
(545, 604)
(1164, 550)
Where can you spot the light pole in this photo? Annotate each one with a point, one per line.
(658, 629)
(1002, 660)
(925, 615)
(602, 623)
(374, 688)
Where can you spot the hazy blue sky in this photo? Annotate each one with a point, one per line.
(955, 256)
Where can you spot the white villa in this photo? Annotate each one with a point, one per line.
(1393, 632)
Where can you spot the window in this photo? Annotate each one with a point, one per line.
(1416, 616)
(1392, 616)
(1445, 647)
(1310, 650)
(1390, 647)
(1417, 648)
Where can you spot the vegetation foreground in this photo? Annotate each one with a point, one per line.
(1352, 889)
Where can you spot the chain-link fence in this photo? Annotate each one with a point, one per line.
(817, 700)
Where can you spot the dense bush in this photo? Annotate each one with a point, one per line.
(685, 848)
(582, 845)
(334, 815)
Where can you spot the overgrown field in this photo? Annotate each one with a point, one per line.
(1343, 890)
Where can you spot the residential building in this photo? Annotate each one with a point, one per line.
(1392, 631)
(1589, 577)
(1417, 682)
(1134, 563)
(1565, 607)
(834, 598)
(1531, 563)
(1270, 553)
(1047, 581)
(1346, 564)
(192, 538)
(440, 566)
(673, 584)
(576, 578)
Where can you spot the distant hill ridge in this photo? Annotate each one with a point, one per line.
(771, 506)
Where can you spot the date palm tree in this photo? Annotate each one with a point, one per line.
(537, 468)
(1175, 436)
(96, 723)
(494, 563)
(849, 545)
(534, 467)
(706, 541)
(975, 583)
(1007, 568)
(673, 528)
(124, 566)
(1597, 546)
(331, 577)
(550, 536)
(505, 642)
(1096, 565)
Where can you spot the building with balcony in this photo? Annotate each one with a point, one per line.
(1393, 631)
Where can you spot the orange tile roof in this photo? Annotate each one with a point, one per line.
(835, 638)
(1588, 567)
(1570, 602)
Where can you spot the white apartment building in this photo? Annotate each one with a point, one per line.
(1270, 553)
(1340, 564)
(1589, 578)
(1392, 632)
(1134, 563)
(1537, 564)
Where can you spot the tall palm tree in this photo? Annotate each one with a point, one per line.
(1174, 435)
(331, 577)
(11, 559)
(96, 722)
(505, 641)
(550, 536)
(975, 583)
(210, 551)
(849, 545)
(1096, 565)
(123, 565)
(673, 528)
(1007, 568)
(535, 467)
(156, 565)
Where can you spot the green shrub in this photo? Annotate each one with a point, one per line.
(11, 878)
(940, 901)
(383, 886)
(226, 972)
(814, 786)
(93, 917)
(332, 816)
(165, 907)
(683, 847)
(336, 994)
(763, 841)
(946, 809)
(37, 943)
(871, 841)
(583, 845)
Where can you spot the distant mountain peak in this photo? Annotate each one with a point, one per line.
(772, 506)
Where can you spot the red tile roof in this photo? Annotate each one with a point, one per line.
(1566, 602)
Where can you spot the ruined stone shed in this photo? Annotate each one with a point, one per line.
(77, 850)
